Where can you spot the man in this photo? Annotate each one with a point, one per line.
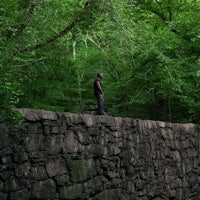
(98, 92)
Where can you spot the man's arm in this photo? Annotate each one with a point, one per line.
(99, 86)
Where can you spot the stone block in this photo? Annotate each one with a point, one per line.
(84, 137)
(59, 129)
(49, 115)
(111, 194)
(32, 142)
(72, 192)
(81, 170)
(62, 180)
(70, 143)
(117, 134)
(108, 120)
(94, 185)
(6, 174)
(172, 193)
(88, 120)
(94, 131)
(111, 174)
(176, 156)
(52, 144)
(5, 160)
(45, 189)
(25, 183)
(11, 185)
(33, 128)
(3, 136)
(20, 195)
(114, 150)
(3, 196)
(37, 156)
(130, 187)
(38, 173)
(22, 170)
(97, 150)
(20, 156)
(30, 114)
(56, 143)
(139, 185)
(56, 166)
(47, 130)
(1, 185)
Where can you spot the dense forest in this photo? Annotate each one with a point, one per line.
(148, 51)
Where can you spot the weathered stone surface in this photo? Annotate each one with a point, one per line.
(70, 143)
(130, 187)
(88, 120)
(83, 137)
(21, 194)
(22, 171)
(114, 150)
(3, 136)
(72, 192)
(70, 156)
(37, 115)
(21, 156)
(33, 128)
(110, 195)
(3, 196)
(54, 143)
(62, 180)
(94, 185)
(32, 142)
(97, 150)
(81, 170)
(6, 174)
(38, 173)
(93, 131)
(11, 185)
(56, 166)
(44, 189)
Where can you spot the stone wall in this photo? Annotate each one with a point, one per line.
(70, 156)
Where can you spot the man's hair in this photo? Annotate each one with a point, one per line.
(98, 74)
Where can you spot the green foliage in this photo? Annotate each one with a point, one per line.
(10, 93)
(148, 51)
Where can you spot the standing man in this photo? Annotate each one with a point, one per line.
(98, 92)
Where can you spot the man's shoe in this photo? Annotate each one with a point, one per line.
(103, 113)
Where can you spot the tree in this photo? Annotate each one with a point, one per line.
(148, 51)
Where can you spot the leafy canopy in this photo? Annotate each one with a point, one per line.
(148, 50)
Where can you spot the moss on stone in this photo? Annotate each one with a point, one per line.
(80, 170)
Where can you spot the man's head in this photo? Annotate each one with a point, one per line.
(100, 75)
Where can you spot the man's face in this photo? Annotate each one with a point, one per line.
(100, 76)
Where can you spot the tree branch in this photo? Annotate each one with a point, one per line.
(29, 9)
(58, 35)
(161, 15)
(160, 4)
(169, 10)
(32, 62)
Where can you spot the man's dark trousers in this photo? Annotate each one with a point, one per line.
(100, 100)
